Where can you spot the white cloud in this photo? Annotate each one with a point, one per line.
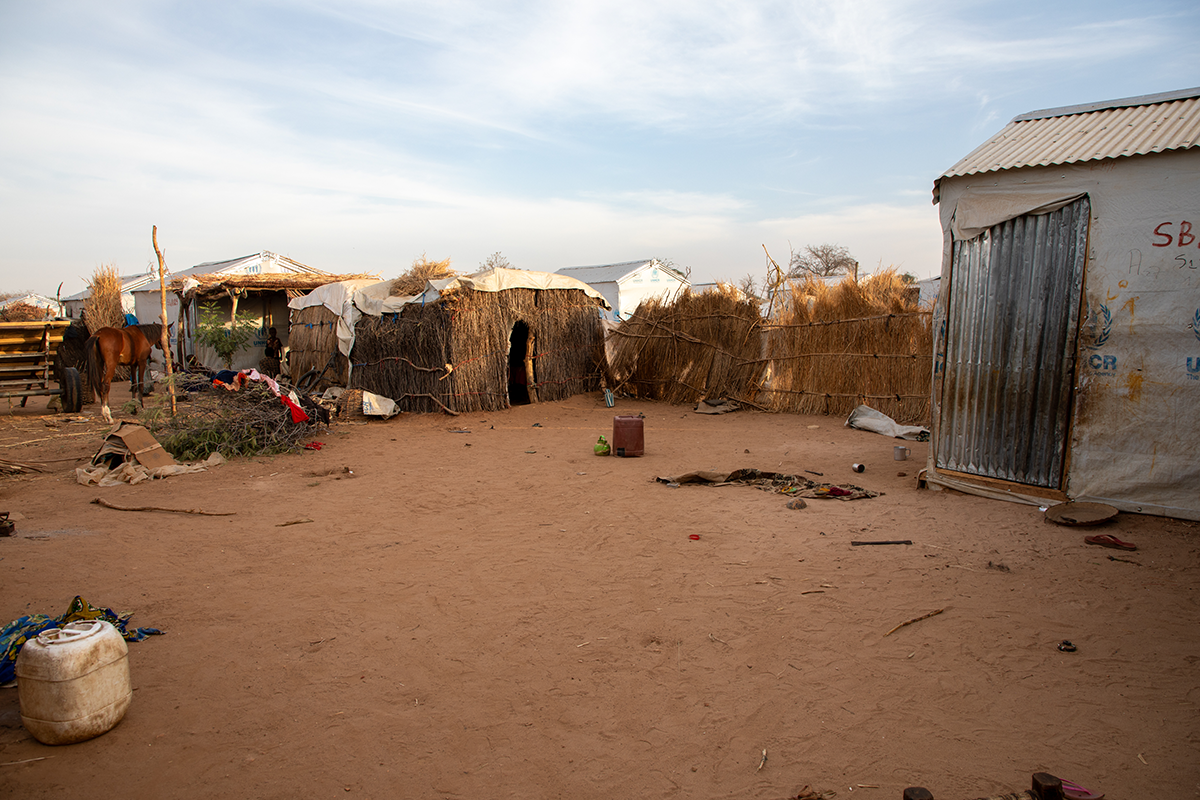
(358, 134)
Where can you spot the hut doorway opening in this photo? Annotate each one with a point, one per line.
(520, 365)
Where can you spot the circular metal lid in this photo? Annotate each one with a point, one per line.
(1081, 513)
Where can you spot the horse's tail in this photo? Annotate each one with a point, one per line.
(94, 360)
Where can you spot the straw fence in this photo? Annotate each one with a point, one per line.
(834, 348)
(698, 346)
(454, 354)
(829, 350)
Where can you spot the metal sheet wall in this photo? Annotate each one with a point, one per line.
(1010, 338)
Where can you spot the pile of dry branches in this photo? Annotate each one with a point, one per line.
(249, 422)
(24, 312)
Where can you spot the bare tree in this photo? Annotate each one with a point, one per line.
(749, 286)
(496, 261)
(822, 260)
(670, 264)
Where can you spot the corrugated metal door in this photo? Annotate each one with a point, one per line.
(1011, 326)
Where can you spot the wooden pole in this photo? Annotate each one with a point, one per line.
(166, 334)
(531, 388)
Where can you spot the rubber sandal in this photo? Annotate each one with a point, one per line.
(1066, 646)
(1108, 540)
(1073, 791)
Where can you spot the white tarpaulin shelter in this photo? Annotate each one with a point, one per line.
(339, 298)
(1067, 350)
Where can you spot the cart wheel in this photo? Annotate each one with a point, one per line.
(72, 390)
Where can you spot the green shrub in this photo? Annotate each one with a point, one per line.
(225, 338)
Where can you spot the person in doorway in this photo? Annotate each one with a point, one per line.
(271, 355)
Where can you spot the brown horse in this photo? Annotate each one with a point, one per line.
(109, 347)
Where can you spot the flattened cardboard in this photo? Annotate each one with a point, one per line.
(126, 441)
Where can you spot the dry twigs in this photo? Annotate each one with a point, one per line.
(17, 467)
(100, 501)
(915, 619)
(24, 761)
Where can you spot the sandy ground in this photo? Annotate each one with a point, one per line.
(499, 613)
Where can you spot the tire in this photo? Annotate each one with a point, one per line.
(309, 379)
(72, 390)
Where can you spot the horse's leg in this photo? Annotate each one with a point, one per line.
(134, 381)
(141, 378)
(110, 369)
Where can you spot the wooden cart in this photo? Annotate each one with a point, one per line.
(27, 363)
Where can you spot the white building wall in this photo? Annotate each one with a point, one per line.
(644, 284)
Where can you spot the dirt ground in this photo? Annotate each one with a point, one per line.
(486, 609)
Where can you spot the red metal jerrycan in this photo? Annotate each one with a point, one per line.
(629, 438)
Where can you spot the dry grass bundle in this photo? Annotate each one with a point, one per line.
(454, 354)
(833, 348)
(699, 346)
(422, 270)
(103, 309)
(24, 312)
(312, 341)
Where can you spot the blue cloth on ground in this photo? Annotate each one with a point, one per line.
(19, 631)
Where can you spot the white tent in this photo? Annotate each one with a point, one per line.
(1067, 351)
(624, 286)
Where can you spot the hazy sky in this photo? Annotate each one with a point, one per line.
(354, 136)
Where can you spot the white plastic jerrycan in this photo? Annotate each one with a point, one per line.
(73, 682)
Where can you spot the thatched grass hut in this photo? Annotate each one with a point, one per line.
(835, 347)
(479, 343)
(697, 346)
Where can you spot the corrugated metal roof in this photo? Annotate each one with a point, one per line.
(233, 264)
(604, 273)
(129, 283)
(1134, 126)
